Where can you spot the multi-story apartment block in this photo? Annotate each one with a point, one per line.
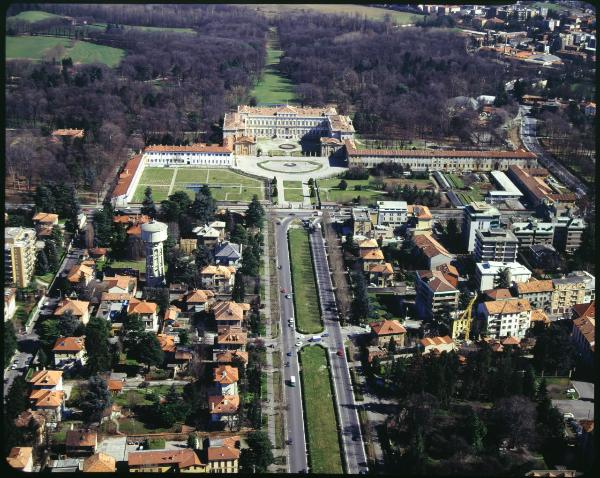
(568, 291)
(506, 317)
(19, 255)
(583, 334)
(478, 216)
(495, 245)
(567, 233)
(533, 232)
(391, 213)
(434, 293)
(487, 274)
(537, 292)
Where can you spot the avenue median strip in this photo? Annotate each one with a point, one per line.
(306, 300)
(319, 414)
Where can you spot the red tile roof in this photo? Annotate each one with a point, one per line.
(226, 375)
(81, 438)
(69, 344)
(182, 458)
(126, 176)
(387, 327)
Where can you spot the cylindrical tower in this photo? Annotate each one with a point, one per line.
(154, 234)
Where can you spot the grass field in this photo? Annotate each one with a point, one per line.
(41, 47)
(292, 184)
(330, 191)
(321, 424)
(306, 305)
(139, 265)
(455, 180)
(33, 16)
(372, 13)
(294, 195)
(225, 185)
(273, 87)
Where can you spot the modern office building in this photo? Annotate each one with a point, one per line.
(391, 213)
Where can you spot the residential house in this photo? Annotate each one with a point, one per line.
(434, 293)
(219, 226)
(544, 257)
(80, 272)
(115, 387)
(221, 407)
(69, 351)
(506, 317)
(583, 334)
(437, 344)
(21, 458)
(170, 315)
(231, 338)
(497, 294)
(533, 232)
(383, 331)
(121, 284)
(47, 393)
(222, 455)
(431, 251)
(167, 343)
(487, 274)
(374, 351)
(220, 278)
(98, 253)
(230, 313)
(180, 360)
(450, 273)
(537, 292)
(165, 461)
(79, 308)
(237, 357)
(44, 222)
(81, 442)
(381, 275)
(10, 303)
(589, 284)
(539, 318)
(495, 245)
(371, 256)
(367, 245)
(113, 308)
(148, 312)
(99, 463)
(67, 465)
(188, 246)
(419, 217)
(227, 254)
(198, 300)
(226, 378)
(207, 236)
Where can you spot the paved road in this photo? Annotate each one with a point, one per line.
(297, 457)
(352, 440)
(528, 133)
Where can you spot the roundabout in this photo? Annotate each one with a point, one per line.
(290, 167)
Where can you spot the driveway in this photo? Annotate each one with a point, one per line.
(581, 409)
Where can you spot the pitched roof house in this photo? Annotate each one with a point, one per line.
(228, 254)
(69, 350)
(79, 308)
(81, 441)
(21, 458)
(230, 313)
(99, 463)
(385, 330)
(184, 460)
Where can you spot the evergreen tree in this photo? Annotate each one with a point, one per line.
(238, 293)
(239, 235)
(72, 210)
(50, 331)
(95, 400)
(250, 263)
(44, 199)
(148, 351)
(17, 400)
(361, 304)
(42, 358)
(148, 206)
(68, 324)
(192, 441)
(529, 389)
(477, 431)
(504, 278)
(118, 242)
(259, 454)
(97, 347)
(57, 236)
(343, 185)
(184, 337)
(204, 206)
(52, 255)
(10, 341)
(255, 214)
(42, 266)
(201, 257)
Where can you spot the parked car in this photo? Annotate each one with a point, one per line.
(288, 296)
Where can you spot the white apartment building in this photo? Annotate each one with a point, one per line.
(495, 245)
(478, 216)
(193, 156)
(391, 213)
(506, 318)
(487, 274)
(19, 255)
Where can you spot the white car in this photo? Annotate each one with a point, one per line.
(288, 296)
(13, 366)
(298, 344)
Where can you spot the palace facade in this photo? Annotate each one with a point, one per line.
(286, 121)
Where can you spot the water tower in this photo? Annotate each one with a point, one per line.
(154, 234)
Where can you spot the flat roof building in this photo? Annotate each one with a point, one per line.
(478, 216)
(495, 245)
(19, 255)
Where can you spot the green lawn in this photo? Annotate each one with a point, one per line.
(272, 86)
(348, 195)
(294, 195)
(47, 278)
(139, 265)
(225, 185)
(292, 184)
(372, 13)
(41, 47)
(306, 302)
(455, 180)
(33, 16)
(321, 424)
(133, 426)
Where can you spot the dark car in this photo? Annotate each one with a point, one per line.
(289, 354)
